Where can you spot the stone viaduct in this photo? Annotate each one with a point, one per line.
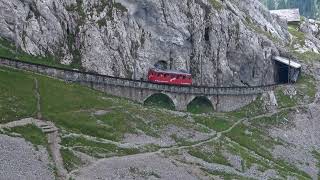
(222, 98)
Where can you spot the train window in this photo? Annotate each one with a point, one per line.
(183, 77)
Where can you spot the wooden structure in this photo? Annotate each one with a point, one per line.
(287, 70)
(290, 15)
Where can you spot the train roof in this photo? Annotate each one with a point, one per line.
(170, 72)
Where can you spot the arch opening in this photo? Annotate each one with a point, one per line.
(163, 65)
(200, 105)
(160, 100)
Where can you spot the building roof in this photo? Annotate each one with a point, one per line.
(287, 62)
(291, 15)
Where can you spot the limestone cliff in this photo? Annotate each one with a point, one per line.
(221, 42)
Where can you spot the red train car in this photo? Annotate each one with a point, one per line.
(169, 77)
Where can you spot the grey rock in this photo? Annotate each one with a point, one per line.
(125, 38)
(20, 160)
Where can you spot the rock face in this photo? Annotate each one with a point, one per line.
(311, 30)
(221, 42)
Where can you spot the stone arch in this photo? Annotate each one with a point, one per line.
(161, 100)
(200, 104)
(161, 65)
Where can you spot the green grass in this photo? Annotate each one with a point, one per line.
(32, 134)
(200, 105)
(70, 161)
(97, 149)
(307, 86)
(226, 176)
(181, 141)
(252, 138)
(248, 159)
(216, 4)
(17, 98)
(160, 100)
(258, 141)
(307, 56)
(276, 120)
(8, 50)
(112, 126)
(253, 109)
(306, 91)
(298, 37)
(58, 96)
(211, 154)
(72, 107)
(215, 122)
(284, 100)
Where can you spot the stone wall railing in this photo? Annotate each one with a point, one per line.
(87, 78)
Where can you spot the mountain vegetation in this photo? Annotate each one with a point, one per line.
(75, 132)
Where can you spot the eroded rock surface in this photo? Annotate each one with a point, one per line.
(125, 38)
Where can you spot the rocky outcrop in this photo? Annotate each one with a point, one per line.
(311, 30)
(221, 42)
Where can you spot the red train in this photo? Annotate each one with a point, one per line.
(169, 77)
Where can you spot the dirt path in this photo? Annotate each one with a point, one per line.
(37, 93)
(53, 136)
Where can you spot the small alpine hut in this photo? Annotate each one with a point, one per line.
(287, 71)
(290, 15)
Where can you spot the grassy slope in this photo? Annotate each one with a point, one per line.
(72, 107)
(70, 160)
(305, 93)
(17, 99)
(8, 50)
(32, 134)
(300, 39)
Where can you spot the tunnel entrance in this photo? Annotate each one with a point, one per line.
(163, 65)
(160, 100)
(200, 105)
(282, 73)
(287, 71)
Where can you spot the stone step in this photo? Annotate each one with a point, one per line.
(49, 130)
(40, 123)
(43, 124)
(47, 127)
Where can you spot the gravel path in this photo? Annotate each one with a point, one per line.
(52, 134)
(19, 160)
(143, 166)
